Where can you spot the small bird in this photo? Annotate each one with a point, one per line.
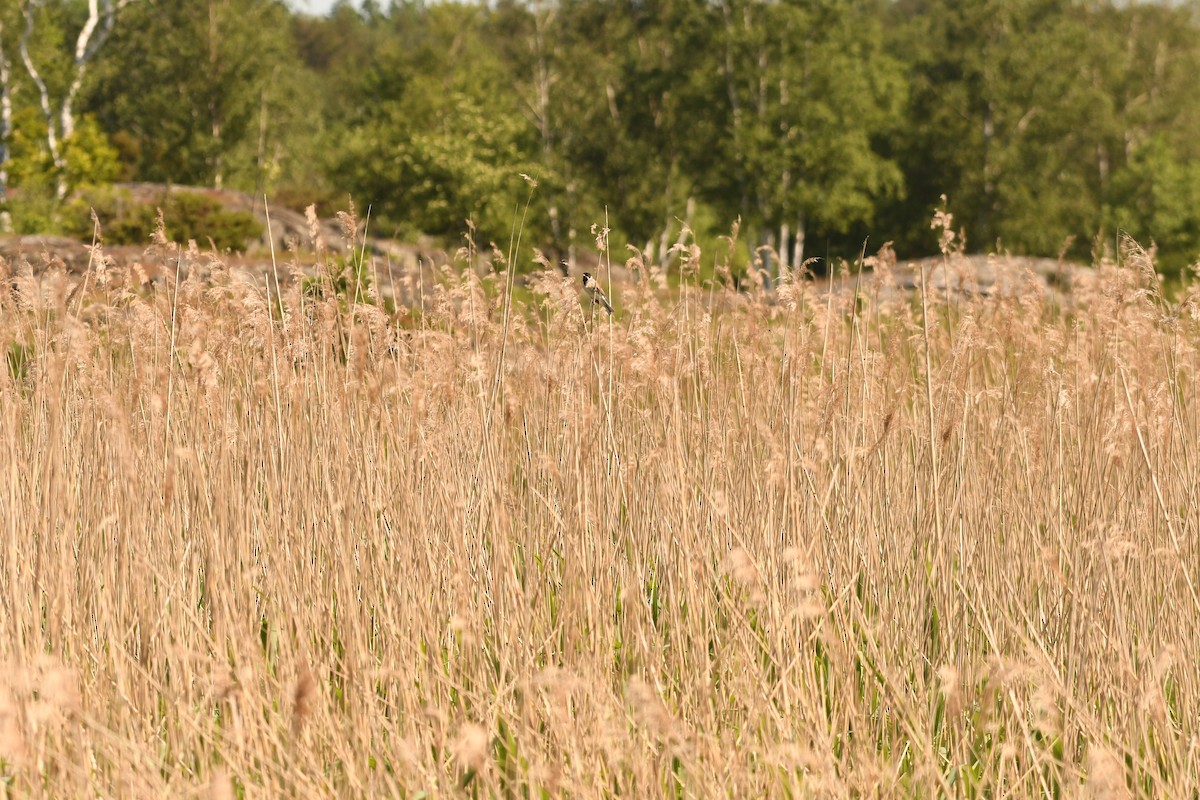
(592, 287)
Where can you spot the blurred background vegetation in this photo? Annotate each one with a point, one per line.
(1049, 125)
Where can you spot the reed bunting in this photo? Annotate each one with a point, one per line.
(592, 287)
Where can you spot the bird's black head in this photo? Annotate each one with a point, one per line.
(587, 278)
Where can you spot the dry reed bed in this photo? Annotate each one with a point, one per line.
(718, 547)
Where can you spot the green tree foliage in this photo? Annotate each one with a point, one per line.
(91, 159)
(207, 93)
(47, 49)
(642, 120)
(1049, 124)
(811, 90)
(1028, 114)
(1157, 199)
(442, 139)
(984, 71)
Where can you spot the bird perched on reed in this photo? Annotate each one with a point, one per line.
(592, 287)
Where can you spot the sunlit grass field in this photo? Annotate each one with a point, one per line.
(284, 539)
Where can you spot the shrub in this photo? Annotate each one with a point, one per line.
(187, 215)
(32, 209)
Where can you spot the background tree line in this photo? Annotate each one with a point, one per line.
(1050, 125)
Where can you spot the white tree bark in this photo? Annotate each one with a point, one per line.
(6, 113)
(6, 126)
(82, 57)
(785, 234)
(798, 244)
(43, 92)
(60, 122)
(214, 108)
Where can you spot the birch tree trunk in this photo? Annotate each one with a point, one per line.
(6, 116)
(43, 92)
(60, 122)
(798, 245)
(571, 250)
(785, 233)
(6, 126)
(988, 131)
(769, 252)
(214, 111)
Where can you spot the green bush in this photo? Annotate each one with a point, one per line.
(187, 215)
(33, 209)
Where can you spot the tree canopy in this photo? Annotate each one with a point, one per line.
(1049, 125)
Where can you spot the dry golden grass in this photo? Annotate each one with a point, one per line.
(722, 545)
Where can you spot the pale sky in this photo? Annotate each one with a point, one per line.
(314, 6)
